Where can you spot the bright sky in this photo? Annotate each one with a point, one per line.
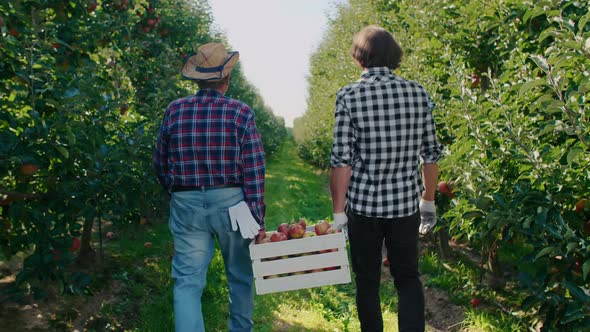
(275, 39)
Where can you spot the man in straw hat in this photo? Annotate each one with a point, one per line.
(209, 157)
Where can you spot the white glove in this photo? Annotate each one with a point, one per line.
(340, 221)
(427, 216)
(241, 216)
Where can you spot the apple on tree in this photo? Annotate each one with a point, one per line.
(582, 205)
(446, 188)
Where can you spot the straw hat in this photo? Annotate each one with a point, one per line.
(211, 63)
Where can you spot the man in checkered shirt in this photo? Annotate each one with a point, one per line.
(209, 156)
(384, 131)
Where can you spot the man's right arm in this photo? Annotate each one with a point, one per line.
(160, 155)
(254, 167)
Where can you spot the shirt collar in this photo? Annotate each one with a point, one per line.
(376, 71)
(208, 92)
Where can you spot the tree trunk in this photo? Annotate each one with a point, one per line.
(86, 255)
(443, 244)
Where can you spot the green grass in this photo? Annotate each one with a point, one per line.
(293, 190)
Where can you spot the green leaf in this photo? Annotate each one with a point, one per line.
(472, 215)
(530, 85)
(547, 129)
(71, 93)
(582, 22)
(571, 246)
(546, 251)
(64, 152)
(573, 154)
(586, 269)
(577, 292)
(541, 62)
(546, 33)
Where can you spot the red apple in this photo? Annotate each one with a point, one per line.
(296, 231)
(283, 228)
(151, 22)
(75, 244)
(302, 223)
(331, 231)
(321, 227)
(474, 80)
(263, 240)
(587, 227)
(13, 32)
(386, 262)
(474, 302)
(29, 169)
(443, 188)
(164, 32)
(278, 236)
(110, 235)
(446, 188)
(581, 205)
(92, 7)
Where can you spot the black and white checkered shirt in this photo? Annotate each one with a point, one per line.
(384, 129)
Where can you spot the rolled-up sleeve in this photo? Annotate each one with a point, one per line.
(344, 136)
(253, 167)
(431, 150)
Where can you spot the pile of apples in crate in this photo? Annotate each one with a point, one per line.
(296, 230)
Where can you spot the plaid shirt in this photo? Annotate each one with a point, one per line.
(209, 140)
(384, 128)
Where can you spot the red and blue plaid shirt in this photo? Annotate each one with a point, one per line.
(209, 140)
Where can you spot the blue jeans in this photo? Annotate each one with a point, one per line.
(196, 219)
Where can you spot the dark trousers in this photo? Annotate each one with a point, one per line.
(366, 236)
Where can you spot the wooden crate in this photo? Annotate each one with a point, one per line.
(300, 263)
